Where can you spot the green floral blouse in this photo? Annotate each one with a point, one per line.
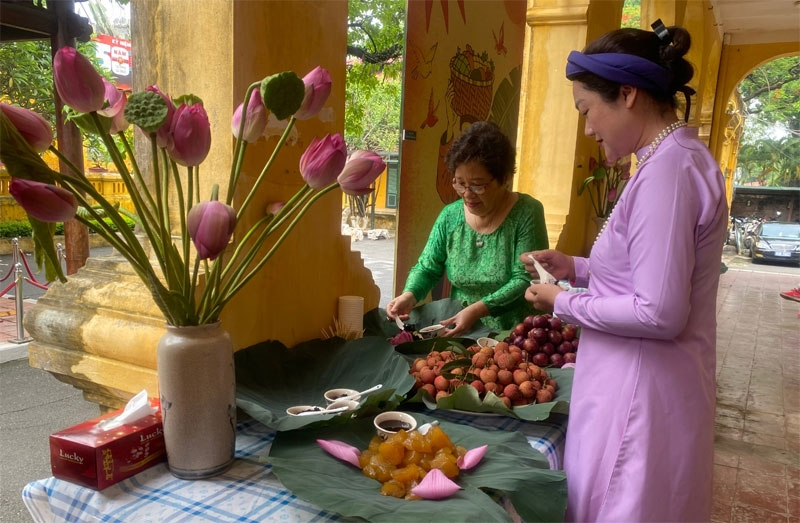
(483, 267)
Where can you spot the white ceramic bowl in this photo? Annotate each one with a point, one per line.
(304, 410)
(334, 394)
(388, 423)
(487, 342)
(432, 331)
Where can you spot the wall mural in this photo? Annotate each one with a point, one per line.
(464, 65)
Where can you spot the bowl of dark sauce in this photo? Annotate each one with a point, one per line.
(388, 423)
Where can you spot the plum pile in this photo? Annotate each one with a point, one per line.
(546, 340)
(501, 370)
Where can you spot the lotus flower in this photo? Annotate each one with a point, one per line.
(191, 135)
(435, 485)
(402, 337)
(255, 119)
(210, 225)
(360, 171)
(30, 125)
(163, 135)
(78, 83)
(114, 97)
(323, 160)
(43, 201)
(341, 450)
(317, 90)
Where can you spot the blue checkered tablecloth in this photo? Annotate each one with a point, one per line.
(247, 492)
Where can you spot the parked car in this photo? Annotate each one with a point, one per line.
(776, 241)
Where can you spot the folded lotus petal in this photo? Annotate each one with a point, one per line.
(402, 337)
(341, 450)
(435, 485)
(78, 83)
(255, 118)
(323, 160)
(471, 458)
(43, 201)
(317, 90)
(32, 126)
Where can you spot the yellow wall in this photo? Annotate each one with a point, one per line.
(296, 295)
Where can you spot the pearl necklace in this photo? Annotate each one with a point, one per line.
(646, 156)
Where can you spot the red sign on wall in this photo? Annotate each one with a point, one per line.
(115, 54)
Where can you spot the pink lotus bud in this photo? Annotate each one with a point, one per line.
(318, 89)
(625, 169)
(43, 201)
(210, 225)
(163, 135)
(360, 171)
(255, 121)
(191, 135)
(323, 160)
(612, 194)
(274, 208)
(115, 98)
(77, 81)
(32, 126)
(118, 121)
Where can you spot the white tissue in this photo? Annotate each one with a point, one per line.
(544, 276)
(137, 408)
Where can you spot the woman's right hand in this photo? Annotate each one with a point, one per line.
(556, 263)
(401, 306)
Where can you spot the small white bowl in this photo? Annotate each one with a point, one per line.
(388, 423)
(487, 342)
(432, 331)
(305, 410)
(334, 394)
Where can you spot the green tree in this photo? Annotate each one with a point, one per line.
(375, 46)
(771, 141)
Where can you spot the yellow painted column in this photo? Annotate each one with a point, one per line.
(554, 153)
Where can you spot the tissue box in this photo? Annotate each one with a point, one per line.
(90, 456)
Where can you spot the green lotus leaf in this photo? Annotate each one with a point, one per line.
(511, 467)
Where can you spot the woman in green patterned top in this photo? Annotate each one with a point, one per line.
(477, 241)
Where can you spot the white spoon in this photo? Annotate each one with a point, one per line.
(362, 393)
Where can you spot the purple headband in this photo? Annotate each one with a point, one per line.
(620, 68)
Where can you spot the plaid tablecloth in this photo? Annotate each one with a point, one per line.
(247, 492)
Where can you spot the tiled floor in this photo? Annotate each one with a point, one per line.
(757, 446)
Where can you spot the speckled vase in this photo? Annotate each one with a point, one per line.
(197, 386)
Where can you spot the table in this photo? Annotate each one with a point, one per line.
(247, 492)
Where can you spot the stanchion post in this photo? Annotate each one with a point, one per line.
(18, 279)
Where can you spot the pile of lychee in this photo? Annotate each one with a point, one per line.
(502, 370)
(548, 341)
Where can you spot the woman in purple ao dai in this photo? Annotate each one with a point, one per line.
(640, 439)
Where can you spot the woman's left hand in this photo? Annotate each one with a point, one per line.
(463, 321)
(543, 295)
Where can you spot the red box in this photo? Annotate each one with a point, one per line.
(90, 456)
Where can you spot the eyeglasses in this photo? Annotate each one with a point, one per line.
(474, 189)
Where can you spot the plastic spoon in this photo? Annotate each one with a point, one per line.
(362, 393)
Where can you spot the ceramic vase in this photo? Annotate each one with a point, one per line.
(197, 386)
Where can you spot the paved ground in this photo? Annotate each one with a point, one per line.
(757, 455)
